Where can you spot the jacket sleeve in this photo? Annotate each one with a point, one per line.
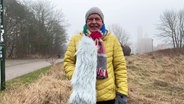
(70, 59)
(120, 70)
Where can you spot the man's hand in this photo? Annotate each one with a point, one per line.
(120, 99)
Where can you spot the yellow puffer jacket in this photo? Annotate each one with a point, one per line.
(116, 67)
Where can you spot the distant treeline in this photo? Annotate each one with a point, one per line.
(33, 29)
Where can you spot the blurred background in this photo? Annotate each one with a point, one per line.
(42, 28)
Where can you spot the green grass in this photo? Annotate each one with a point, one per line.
(26, 79)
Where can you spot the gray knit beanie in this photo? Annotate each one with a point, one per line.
(94, 10)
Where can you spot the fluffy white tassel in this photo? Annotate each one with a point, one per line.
(84, 76)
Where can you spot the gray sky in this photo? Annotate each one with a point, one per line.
(130, 14)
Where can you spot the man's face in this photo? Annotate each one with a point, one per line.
(94, 22)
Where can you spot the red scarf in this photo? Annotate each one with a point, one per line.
(101, 56)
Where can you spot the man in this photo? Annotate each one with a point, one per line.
(95, 52)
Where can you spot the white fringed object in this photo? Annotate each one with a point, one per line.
(84, 76)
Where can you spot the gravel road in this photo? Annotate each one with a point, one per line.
(15, 68)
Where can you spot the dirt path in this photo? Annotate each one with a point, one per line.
(15, 68)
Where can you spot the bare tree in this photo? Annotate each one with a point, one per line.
(51, 29)
(33, 28)
(120, 33)
(181, 27)
(123, 38)
(16, 25)
(172, 27)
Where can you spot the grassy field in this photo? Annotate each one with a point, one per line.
(153, 78)
(45, 86)
(156, 78)
(24, 80)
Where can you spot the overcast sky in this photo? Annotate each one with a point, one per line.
(131, 15)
